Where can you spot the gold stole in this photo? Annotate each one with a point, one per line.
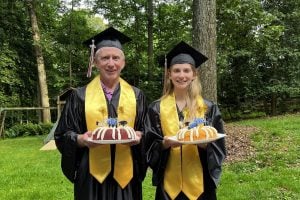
(96, 110)
(184, 169)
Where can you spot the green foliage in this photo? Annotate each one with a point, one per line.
(8, 94)
(15, 55)
(173, 24)
(230, 115)
(28, 129)
(67, 57)
(62, 32)
(257, 61)
(151, 90)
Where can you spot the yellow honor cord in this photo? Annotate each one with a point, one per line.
(184, 170)
(96, 110)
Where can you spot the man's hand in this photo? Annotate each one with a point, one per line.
(82, 140)
(169, 142)
(137, 139)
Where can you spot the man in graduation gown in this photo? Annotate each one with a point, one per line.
(195, 172)
(103, 171)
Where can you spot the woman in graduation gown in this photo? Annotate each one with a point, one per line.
(103, 171)
(183, 171)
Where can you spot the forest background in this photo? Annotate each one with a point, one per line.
(257, 49)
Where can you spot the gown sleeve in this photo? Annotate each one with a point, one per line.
(71, 123)
(156, 156)
(215, 152)
(139, 150)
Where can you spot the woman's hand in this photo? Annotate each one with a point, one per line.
(169, 142)
(137, 140)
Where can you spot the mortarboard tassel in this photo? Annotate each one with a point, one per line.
(165, 76)
(91, 60)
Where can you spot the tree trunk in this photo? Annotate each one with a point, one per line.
(204, 39)
(273, 104)
(70, 44)
(40, 62)
(150, 38)
(266, 107)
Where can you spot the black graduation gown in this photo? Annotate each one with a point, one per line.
(75, 160)
(157, 157)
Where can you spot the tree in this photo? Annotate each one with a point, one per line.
(15, 52)
(282, 55)
(258, 58)
(204, 39)
(150, 38)
(43, 88)
(240, 47)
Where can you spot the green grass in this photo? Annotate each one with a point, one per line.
(28, 173)
(31, 174)
(273, 173)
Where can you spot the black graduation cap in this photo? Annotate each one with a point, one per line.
(183, 53)
(110, 37)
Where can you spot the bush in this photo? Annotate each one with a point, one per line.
(240, 115)
(29, 129)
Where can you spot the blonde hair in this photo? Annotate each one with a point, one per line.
(194, 91)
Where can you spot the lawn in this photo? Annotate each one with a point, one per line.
(272, 173)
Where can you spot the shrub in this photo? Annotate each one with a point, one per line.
(29, 129)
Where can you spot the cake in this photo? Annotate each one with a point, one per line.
(114, 130)
(195, 131)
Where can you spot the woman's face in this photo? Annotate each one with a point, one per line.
(110, 61)
(181, 75)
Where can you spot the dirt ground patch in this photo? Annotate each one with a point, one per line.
(238, 143)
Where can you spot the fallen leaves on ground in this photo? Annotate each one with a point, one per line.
(238, 143)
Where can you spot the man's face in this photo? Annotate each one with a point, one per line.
(110, 61)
